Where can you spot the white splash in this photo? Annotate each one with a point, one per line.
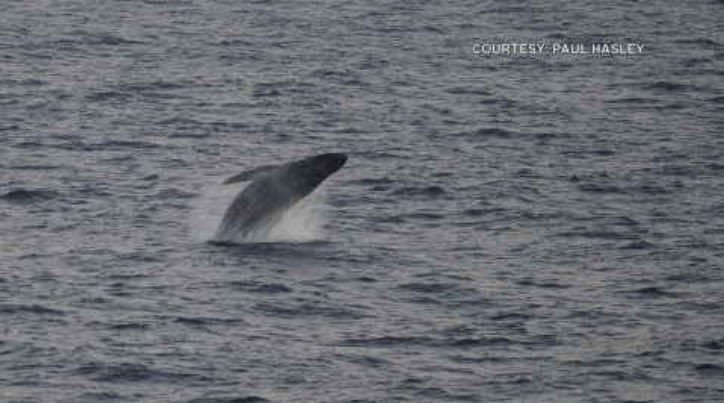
(209, 209)
(303, 222)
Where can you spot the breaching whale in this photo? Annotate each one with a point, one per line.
(273, 190)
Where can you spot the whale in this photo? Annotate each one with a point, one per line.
(272, 190)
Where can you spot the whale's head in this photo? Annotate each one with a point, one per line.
(310, 172)
(328, 164)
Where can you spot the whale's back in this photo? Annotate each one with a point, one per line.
(257, 206)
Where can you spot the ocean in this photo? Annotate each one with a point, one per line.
(523, 217)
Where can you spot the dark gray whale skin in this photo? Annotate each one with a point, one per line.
(272, 191)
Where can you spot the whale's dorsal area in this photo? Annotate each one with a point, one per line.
(272, 191)
(251, 174)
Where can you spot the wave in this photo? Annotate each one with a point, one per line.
(25, 196)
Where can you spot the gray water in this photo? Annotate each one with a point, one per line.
(538, 228)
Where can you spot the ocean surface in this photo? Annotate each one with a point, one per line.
(524, 228)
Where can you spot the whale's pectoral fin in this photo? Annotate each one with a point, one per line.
(251, 174)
